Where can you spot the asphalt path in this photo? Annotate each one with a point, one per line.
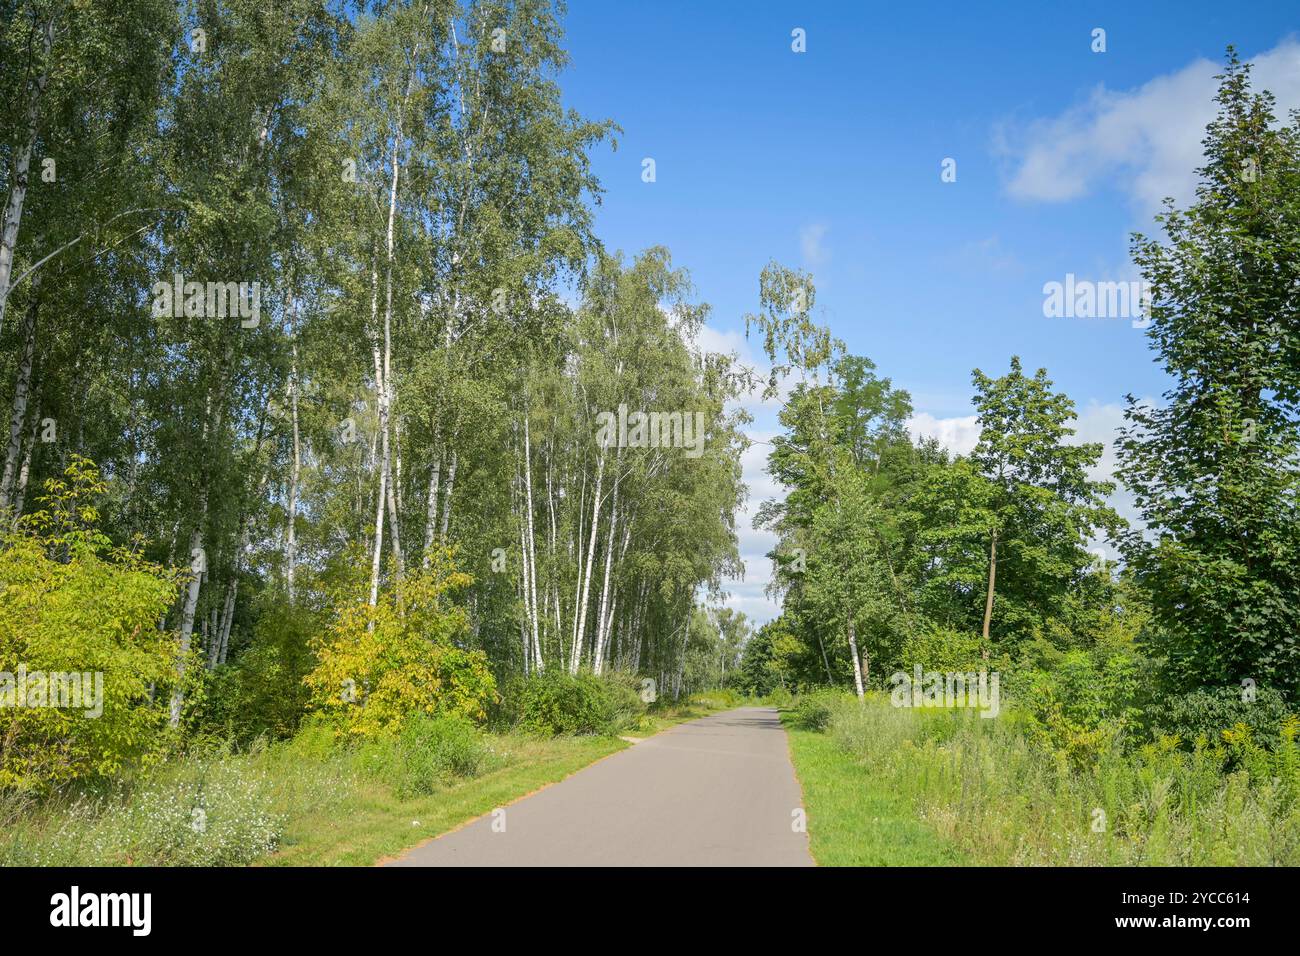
(717, 791)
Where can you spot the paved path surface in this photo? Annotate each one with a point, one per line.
(718, 791)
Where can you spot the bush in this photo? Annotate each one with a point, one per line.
(263, 692)
(435, 751)
(1210, 711)
(557, 702)
(382, 666)
(72, 605)
(938, 649)
(1085, 706)
(718, 699)
(1005, 799)
(813, 710)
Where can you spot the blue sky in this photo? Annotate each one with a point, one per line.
(830, 160)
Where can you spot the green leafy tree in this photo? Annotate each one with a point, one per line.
(1215, 470)
(1044, 508)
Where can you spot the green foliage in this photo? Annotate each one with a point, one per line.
(1215, 470)
(263, 692)
(992, 790)
(71, 603)
(428, 754)
(1084, 707)
(380, 666)
(940, 649)
(556, 702)
(1207, 713)
(1043, 507)
(813, 710)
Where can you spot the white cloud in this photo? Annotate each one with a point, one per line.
(1148, 140)
(958, 435)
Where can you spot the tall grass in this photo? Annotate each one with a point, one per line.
(214, 809)
(214, 806)
(997, 792)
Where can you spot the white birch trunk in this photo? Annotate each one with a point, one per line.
(291, 541)
(187, 630)
(857, 662)
(431, 507)
(532, 546)
(598, 653)
(21, 493)
(447, 500)
(13, 214)
(581, 608)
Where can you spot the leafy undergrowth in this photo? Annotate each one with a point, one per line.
(992, 791)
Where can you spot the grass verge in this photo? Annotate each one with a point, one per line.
(855, 817)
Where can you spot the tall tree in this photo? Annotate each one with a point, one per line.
(1215, 470)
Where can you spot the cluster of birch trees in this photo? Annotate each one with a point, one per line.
(395, 194)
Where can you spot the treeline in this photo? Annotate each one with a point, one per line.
(304, 299)
(894, 553)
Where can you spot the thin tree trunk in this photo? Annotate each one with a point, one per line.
(529, 610)
(603, 606)
(581, 610)
(187, 627)
(13, 214)
(21, 493)
(431, 507)
(446, 501)
(291, 541)
(826, 661)
(225, 629)
(22, 391)
(379, 459)
(857, 663)
(532, 545)
(988, 600)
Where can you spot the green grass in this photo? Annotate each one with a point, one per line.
(369, 822)
(855, 817)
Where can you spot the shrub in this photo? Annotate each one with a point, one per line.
(263, 692)
(70, 603)
(938, 649)
(556, 702)
(435, 751)
(1085, 706)
(718, 699)
(1210, 711)
(813, 710)
(381, 666)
